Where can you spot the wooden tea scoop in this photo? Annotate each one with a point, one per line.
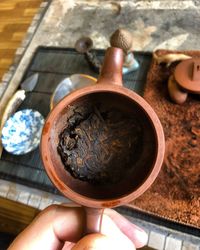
(169, 58)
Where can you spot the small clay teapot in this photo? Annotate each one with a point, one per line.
(185, 80)
(109, 90)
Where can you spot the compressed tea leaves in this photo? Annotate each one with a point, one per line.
(99, 144)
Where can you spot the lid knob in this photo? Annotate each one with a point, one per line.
(187, 75)
(196, 71)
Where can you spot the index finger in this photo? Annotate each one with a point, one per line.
(51, 228)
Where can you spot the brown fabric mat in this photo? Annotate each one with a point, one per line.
(176, 192)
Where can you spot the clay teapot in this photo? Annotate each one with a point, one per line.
(109, 89)
(185, 80)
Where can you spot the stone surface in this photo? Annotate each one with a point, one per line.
(154, 24)
(189, 246)
(156, 240)
(156, 231)
(45, 202)
(7, 76)
(173, 243)
(149, 23)
(3, 189)
(20, 51)
(23, 197)
(13, 192)
(34, 200)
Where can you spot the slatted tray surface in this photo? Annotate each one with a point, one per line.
(53, 65)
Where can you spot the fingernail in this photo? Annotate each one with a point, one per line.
(142, 236)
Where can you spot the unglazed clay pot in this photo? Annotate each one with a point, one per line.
(109, 90)
(186, 80)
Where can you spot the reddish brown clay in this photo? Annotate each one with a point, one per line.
(109, 90)
(175, 194)
(111, 72)
(94, 220)
(177, 95)
(187, 75)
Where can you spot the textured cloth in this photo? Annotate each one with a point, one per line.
(176, 192)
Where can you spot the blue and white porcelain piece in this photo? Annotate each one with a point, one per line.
(22, 131)
(132, 63)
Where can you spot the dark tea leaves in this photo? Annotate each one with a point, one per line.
(99, 145)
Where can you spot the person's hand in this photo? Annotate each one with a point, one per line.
(60, 227)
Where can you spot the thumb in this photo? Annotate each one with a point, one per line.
(100, 242)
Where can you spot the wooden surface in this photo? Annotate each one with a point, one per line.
(15, 18)
(14, 216)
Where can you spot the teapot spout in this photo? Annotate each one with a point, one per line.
(111, 72)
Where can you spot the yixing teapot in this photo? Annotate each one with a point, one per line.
(109, 89)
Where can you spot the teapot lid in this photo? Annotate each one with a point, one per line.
(187, 75)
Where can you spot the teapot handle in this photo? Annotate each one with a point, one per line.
(94, 218)
(111, 72)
